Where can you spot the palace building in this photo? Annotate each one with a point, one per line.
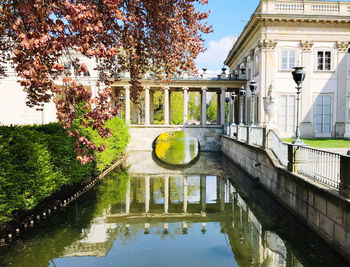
(282, 34)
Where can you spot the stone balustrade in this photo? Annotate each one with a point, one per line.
(305, 7)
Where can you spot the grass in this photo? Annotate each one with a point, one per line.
(323, 143)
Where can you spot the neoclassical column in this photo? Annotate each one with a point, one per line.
(218, 107)
(127, 104)
(166, 105)
(166, 194)
(151, 103)
(204, 106)
(147, 104)
(222, 105)
(185, 105)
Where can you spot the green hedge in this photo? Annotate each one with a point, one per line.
(37, 161)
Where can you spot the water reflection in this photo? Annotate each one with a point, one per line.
(176, 148)
(169, 220)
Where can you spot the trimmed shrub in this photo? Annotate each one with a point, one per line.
(37, 161)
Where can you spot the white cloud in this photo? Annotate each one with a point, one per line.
(213, 58)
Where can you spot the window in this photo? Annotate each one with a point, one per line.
(287, 113)
(288, 59)
(324, 60)
(323, 114)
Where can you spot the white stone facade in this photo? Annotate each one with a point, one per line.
(282, 34)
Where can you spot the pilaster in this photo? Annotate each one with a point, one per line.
(185, 105)
(341, 106)
(166, 106)
(306, 123)
(127, 104)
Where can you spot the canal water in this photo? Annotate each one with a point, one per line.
(208, 214)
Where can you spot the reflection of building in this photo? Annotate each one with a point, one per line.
(282, 34)
(168, 206)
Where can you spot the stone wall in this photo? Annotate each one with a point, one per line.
(320, 207)
(142, 137)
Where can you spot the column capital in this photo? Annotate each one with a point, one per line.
(166, 88)
(223, 88)
(342, 46)
(306, 46)
(185, 88)
(267, 45)
(126, 87)
(251, 53)
(147, 87)
(204, 88)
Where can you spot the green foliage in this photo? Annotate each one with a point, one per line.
(176, 100)
(194, 107)
(36, 161)
(114, 144)
(158, 110)
(212, 110)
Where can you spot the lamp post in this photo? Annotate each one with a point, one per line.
(298, 76)
(233, 99)
(252, 86)
(227, 125)
(121, 99)
(241, 98)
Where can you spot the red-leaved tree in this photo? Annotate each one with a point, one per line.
(163, 37)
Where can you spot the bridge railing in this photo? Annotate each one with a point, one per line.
(320, 165)
(278, 147)
(325, 167)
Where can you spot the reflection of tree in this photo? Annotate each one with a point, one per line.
(112, 190)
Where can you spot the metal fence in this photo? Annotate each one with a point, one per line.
(319, 165)
(278, 147)
(322, 166)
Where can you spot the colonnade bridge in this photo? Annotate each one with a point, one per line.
(141, 116)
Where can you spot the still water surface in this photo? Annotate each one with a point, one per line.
(197, 216)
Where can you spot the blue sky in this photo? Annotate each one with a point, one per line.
(228, 18)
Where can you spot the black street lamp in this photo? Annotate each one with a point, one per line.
(298, 76)
(121, 99)
(233, 99)
(227, 101)
(241, 100)
(252, 86)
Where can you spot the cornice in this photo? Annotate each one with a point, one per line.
(262, 19)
